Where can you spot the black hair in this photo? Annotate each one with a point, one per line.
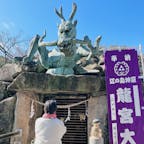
(50, 106)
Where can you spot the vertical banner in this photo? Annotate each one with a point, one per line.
(124, 95)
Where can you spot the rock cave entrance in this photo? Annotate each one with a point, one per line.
(77, 125)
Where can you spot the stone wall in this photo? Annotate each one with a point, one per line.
(31, 85)
(7, 107)
(97, 109)
(7, 99)
(24, 119)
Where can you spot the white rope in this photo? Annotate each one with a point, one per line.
(32, 112)
(68, 116)
(72, 105)
(61, 106)
(86, 110)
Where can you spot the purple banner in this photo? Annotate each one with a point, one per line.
(125, 100)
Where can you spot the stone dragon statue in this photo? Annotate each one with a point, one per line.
(71, 55)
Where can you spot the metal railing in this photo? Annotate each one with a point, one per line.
(10, 134)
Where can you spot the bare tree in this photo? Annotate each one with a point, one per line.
(12, 45)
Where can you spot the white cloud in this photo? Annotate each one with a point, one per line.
(7, 25)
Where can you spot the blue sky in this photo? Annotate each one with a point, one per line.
(120, 22)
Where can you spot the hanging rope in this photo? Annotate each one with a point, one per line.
(72, 105)
(68, 116)
(86, 110)
(32, 112)
(60, 106)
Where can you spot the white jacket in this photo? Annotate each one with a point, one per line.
(49, 131)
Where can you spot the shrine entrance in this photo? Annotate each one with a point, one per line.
(75, 117)
(76, 96)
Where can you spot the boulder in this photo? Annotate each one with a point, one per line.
(3, 90)
(9, 71)
(45, 83)
(7, 108)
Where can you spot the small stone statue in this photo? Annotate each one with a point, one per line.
(67, 58)
(96, 133)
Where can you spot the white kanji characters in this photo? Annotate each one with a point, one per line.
(112, 80)
(127, 137)
(124, 95)
(113, 106)
(114, 58)
(127, 79)
(127, 57)
(126, 117)
(115, 133)
(122, 80)
(133, 79)
(117, 80)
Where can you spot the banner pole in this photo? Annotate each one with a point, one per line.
(142, 62)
